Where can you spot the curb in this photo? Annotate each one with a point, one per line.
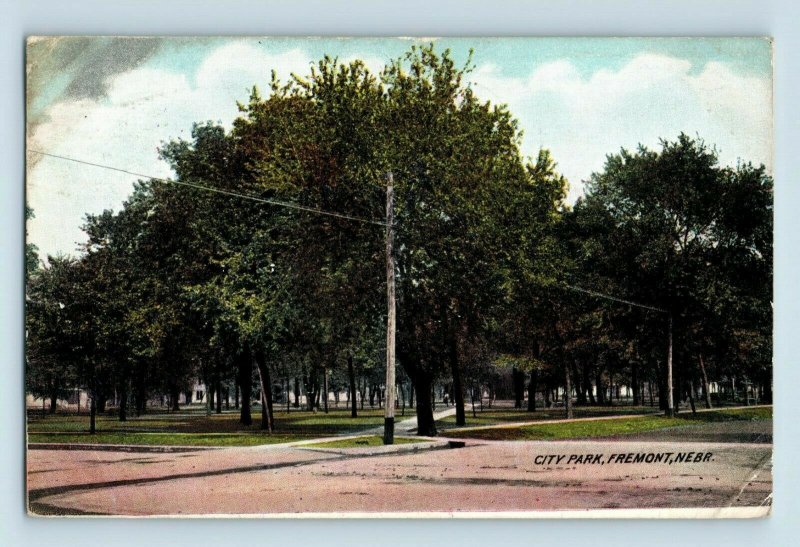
(122, 447)
(430, 444)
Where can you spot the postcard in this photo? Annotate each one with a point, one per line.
(399, 277)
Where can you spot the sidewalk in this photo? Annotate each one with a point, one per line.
(406, 426)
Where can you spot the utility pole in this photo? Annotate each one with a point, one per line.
(670, 399)
(388, 421)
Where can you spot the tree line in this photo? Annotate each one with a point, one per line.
(210, 276)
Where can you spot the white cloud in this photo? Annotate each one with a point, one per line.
(228, 74)
(579, 118)
(143, 108)
(582, 119)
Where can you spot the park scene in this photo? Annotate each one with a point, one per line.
(374, 277)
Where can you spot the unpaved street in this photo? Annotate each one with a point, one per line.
(483, 476)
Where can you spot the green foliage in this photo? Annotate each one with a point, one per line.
(184, 283)
(31, 250)
(677, 231)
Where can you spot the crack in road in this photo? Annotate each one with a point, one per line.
(762, 464)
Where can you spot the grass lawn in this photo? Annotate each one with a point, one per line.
(193, 428)
(607, 428)
(360, 442)
(507, 415)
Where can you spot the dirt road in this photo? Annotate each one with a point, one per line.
(483, 476)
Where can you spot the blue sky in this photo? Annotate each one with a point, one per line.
(113, 101)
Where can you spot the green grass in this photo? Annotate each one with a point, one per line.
(194, 428)
(190, 427)
(731, 415)
(361, 442)
(509, 415)
(610, 428)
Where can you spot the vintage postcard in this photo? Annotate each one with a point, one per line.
(332, 277)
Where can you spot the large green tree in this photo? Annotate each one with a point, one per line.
(674, 229)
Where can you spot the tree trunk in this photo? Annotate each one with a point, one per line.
(635, 381)
(311, 390)
(518, 379)
(458, 388)
(351, 376)
(296, 403)
(325, 388)
(532, 391)
(473, 395)
(93, 413)
(246, 387)
(676, 393)
(600, 388)
(219, 396)
(266, 392)
(661, 385)
(268, 382)
(141, 395)
(53, 396)
(766, 389)
(704, 378)
(425, 425)
(691, 396)
(123, 401)
(174, 395)
(580, 384)
(568, 392)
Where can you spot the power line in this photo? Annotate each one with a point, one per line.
(216, 190)
(612, 298)
(309, 210)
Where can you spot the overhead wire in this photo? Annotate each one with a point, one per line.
(196, 186)
(612, 298)
(309, 210)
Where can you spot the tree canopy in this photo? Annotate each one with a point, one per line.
(264, 256)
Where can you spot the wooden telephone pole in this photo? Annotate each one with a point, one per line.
(388, 421)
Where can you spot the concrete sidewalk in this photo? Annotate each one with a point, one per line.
(408, 426)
